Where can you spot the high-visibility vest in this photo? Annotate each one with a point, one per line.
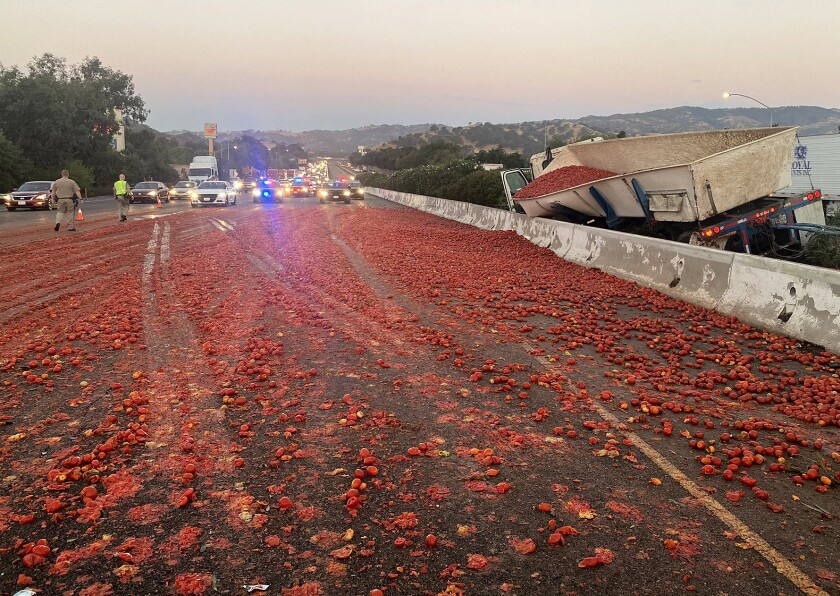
(121, 187)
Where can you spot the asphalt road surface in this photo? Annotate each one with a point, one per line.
(96, 211)
(348, 399)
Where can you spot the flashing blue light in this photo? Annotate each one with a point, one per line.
(298, 179)
(266, 193)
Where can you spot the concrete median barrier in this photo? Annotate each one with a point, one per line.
(785, 298)
(695, 274)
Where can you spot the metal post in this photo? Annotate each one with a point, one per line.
(727, 95)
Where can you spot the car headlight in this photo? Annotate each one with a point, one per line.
(256, 192)
(346, 193)
(305, 189)
(237, 185)
(193, 195)
(221, 195)
(279, 192)
(153, 193)
(41, 197)
(324, 193)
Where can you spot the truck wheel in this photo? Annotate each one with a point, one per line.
(685, 237)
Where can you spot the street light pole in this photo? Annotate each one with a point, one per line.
(727, 95)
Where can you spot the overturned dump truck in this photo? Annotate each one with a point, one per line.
(716, 188)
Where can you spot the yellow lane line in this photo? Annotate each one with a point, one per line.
(774, 557)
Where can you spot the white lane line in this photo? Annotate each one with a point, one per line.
(164, 244)
(221, 224)
(781, 563)
(151, 250)
(229, 226)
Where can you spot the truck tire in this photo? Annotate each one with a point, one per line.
(685, 236)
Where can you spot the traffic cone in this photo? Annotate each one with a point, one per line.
(79, 216)
(159, 203)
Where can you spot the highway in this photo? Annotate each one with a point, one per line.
(340, 398)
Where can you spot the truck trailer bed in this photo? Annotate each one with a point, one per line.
(682, 177)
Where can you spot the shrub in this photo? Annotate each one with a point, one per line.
(824, 250)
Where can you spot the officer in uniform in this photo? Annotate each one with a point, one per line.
(67, 193)
(122, 192)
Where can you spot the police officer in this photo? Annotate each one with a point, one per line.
(68, 194)
(122, 192)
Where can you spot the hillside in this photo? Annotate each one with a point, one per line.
(327, 143)
(529, 137)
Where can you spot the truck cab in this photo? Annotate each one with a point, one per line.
(203, 167)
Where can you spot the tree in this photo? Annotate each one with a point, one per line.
(148, 154)
(250, 152)
(14, 167)
(499, 155)
(56, 113)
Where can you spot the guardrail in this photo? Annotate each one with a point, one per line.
(786, 298)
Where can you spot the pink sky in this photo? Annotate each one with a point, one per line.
(299, 65)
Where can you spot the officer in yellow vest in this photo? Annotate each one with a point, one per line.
(122, 192)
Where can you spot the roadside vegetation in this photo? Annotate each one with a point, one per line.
(444, 169)
(824, 250)
(441, 169)
(56, 115)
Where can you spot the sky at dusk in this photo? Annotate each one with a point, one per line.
(335, 64)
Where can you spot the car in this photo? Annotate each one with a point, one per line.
(150, 191)
(182, 189)
(268, 190)
(358, 191)
(213, 192)
(32, 195)
(232, 191)
(335, 191)
(301, 187)
(250, 182)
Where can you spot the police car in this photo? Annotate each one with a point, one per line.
(213, 192)
(267, 190)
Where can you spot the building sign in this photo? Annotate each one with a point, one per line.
(801, 165)
(209, 130)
